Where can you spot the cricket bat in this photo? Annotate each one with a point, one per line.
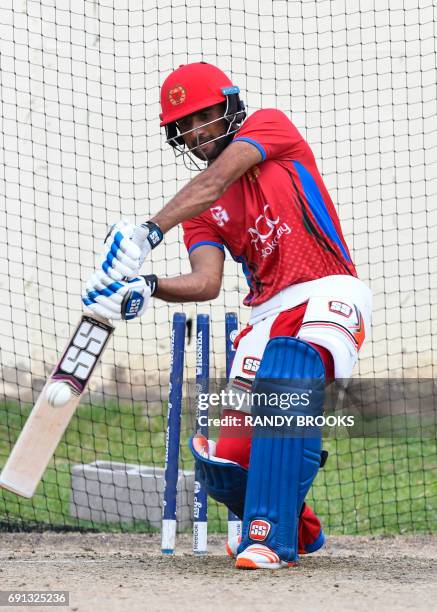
(55, 406)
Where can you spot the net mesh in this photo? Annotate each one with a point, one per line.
(81, 146)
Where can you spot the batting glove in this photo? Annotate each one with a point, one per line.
(127, 246)
(118, 299)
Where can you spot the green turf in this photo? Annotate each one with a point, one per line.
(372, 485)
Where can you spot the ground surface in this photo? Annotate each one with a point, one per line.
(126, 572)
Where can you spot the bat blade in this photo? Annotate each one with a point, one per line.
(46, 423)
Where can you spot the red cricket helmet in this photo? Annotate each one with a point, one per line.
(192, 87)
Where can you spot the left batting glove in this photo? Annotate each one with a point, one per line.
(118, 299)
(126, 247)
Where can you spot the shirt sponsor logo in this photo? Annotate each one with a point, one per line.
(267, 232)
(259, 530)
(220, 215)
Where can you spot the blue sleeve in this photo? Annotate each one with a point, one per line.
(206, 242)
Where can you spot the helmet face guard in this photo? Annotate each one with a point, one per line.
(233, 115)
(190, 89)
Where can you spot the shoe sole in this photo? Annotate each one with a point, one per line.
(249, 564)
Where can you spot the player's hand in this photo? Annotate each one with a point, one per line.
(126, 247)
(118, 299)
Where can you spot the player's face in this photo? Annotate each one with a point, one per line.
(202, 127)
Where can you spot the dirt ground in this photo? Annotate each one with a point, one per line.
(126, 572)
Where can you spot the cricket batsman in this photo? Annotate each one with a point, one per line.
(260, 197)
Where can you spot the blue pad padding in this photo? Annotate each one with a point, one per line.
(223, 481)
(284, 460)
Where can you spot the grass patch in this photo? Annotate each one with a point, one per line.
(369, 485)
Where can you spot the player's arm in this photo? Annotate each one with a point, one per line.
(201, 284)
(208, 186)
(127, 245)
(129, 299)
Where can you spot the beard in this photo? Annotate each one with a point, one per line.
(214, 150)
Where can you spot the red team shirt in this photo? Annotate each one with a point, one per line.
(278, 219)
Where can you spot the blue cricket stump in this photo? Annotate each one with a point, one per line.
(169, 524)
(200, 518)
(231, 326)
